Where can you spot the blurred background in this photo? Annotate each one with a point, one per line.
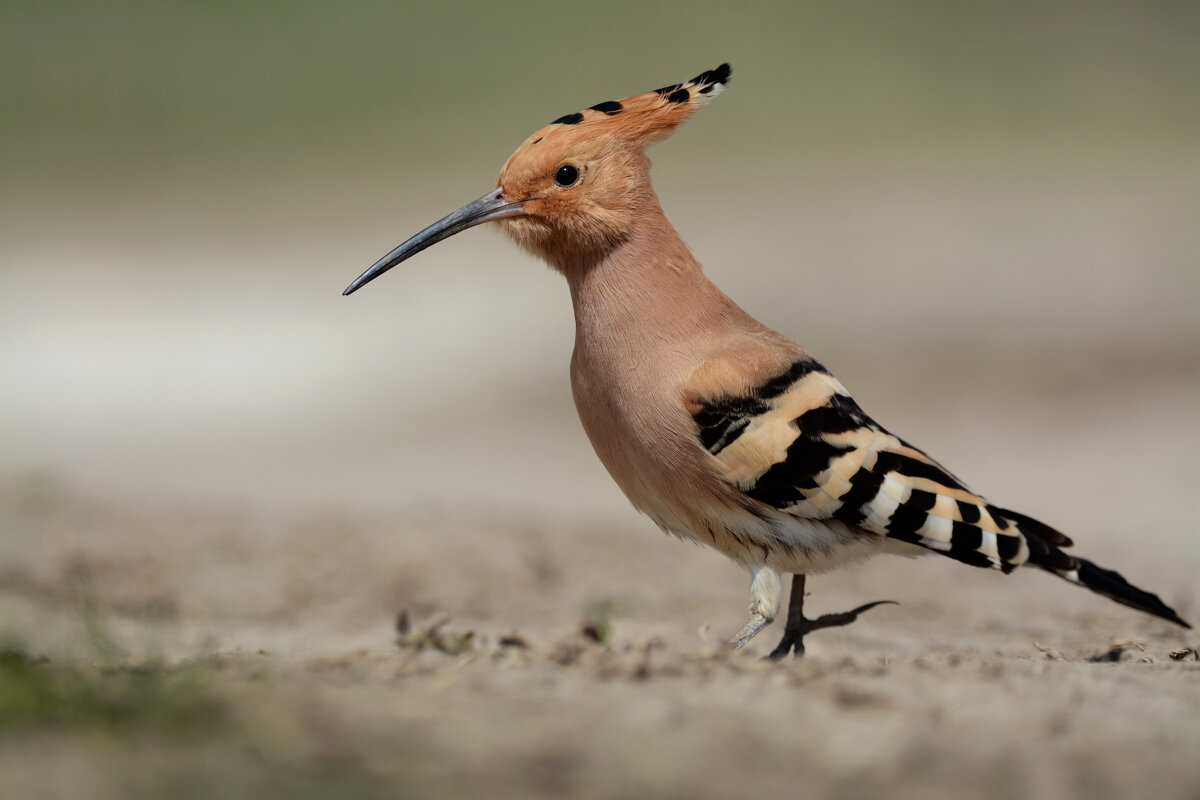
(983, 217)
(957, 206)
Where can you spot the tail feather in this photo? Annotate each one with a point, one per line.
(1100, 580)
(1029, 525)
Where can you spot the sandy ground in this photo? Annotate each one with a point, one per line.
(221, 484)
(976, 685)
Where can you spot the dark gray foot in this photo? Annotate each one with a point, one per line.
(793, 634)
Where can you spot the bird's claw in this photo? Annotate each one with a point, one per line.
(793, 634)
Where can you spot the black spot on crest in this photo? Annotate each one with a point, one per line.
(719, 75)
(609, 107)
(668, 89)
(679, 96)
(706, 89)
(538, 139)
(569, 119)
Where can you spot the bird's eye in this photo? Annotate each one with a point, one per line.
(567, 175)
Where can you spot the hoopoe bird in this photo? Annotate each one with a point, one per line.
(715, 426)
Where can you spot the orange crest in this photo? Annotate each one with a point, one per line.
(643, 118)
(574, 189)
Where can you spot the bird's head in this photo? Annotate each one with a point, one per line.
(576, 185)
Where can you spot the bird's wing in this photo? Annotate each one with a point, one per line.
(799, 443)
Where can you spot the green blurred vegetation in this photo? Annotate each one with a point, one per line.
(247, 115)
(247, 81)
(35, 693)
(155, 730)
(132, 728)
(166, 117)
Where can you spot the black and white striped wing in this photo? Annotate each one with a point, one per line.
(800, 443)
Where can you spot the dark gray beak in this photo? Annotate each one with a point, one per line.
(487, 208)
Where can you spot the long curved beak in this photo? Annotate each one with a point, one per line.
(487, 208)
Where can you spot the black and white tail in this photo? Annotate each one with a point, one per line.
(1043, 544)
(799, 443)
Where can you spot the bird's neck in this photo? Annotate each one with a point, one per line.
(648, 286)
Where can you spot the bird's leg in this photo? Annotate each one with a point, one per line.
(766, 593)
(797, 625)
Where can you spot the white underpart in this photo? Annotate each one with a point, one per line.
(766, 592)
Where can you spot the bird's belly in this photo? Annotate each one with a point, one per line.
(666, 478)
(644, 436)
